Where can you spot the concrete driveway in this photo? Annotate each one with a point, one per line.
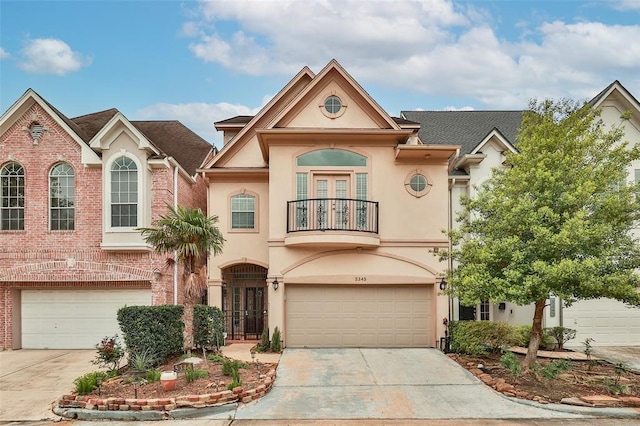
(30, 380)
(382, 384)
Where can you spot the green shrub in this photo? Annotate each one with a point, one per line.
(236, 380)
(154, 328)
(153, 376)
(110, 353)
(523, 335)
(480, 337)
(276, 346)
(551, 370)
(264, 340)
(216, 358)
(510, 361)
(142, 359)
(87, 383)
(561, 335)
(230, 366)
(208, 327)
(192, 374)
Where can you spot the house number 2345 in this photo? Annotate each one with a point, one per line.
(361, 279)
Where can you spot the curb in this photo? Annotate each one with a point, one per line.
(226, 411)
(612, 412)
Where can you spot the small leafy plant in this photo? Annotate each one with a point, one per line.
(588, 350)
(153, 375)
(264, 341)
(192, 374)
(510, 362)
(276, 346)
(110, 353)
(554, 368)
(216, 358)
(141, 360)
(236, 380)
(231, 366)
(87, 383)
(561, 335)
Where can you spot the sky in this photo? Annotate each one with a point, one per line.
(204, 61)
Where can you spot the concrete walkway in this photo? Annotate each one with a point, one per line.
(384, 384)
(242, 352)
(31, 380)
(629, 356)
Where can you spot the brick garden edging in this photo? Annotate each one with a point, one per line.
(238, 394)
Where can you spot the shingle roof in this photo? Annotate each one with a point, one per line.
(174, 139)
(238, 119)
(92, 123)
(464, 128)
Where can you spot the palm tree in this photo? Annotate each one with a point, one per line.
(192, 235)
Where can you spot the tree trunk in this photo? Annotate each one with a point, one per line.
(536, 336)
(187, 317)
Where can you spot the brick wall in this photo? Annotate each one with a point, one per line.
(39, 258)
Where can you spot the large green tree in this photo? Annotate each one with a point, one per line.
(557, 219)
(192, 236)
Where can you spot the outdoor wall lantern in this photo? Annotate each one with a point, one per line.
(443, 284)
(275, 284)
(156, 274)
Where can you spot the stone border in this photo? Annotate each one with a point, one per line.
(238, 394)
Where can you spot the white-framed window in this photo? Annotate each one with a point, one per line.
(243, 211)
(12, 198)
(61, 198)
(484, 310)
(124, 193)
(417, 183)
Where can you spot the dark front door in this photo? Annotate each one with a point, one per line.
(466, 313)
(254, 310)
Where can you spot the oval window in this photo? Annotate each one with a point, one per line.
(332, 104)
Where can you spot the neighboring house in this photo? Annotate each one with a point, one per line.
(332, 211)
(484, 136)
(72, 192)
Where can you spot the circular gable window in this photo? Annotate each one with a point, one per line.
(332, 104)
(417, 183)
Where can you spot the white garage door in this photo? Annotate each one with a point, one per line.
(74, 319)
(358, 316)
(608, 322)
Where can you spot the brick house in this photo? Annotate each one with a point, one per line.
(73, 190)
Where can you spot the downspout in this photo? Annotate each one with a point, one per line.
(175, 253)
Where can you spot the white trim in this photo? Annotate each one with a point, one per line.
(107, 194)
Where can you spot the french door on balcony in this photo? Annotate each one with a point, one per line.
(332, 209)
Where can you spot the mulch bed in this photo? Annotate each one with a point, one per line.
(128, 386)
(583, 378)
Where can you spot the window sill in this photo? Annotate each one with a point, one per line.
(125, 247)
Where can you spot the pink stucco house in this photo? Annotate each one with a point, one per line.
(73, 190)
(333, 214)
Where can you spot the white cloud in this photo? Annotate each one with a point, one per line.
(199, 117)
(436, 47)
(3, 54)
(627, 4)
(51, 56)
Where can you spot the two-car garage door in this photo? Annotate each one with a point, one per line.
(608, 322)
(74, 319)
(359, 316)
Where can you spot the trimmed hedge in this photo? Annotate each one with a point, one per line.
(208, 326)
(480, 337)
(157, 329)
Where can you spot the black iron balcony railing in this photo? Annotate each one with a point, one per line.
(332, 214)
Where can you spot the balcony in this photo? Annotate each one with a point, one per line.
(332, 222)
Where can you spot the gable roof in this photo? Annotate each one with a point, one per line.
(263, 115)
(176, 140)
(172, 138)
(464, 128)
